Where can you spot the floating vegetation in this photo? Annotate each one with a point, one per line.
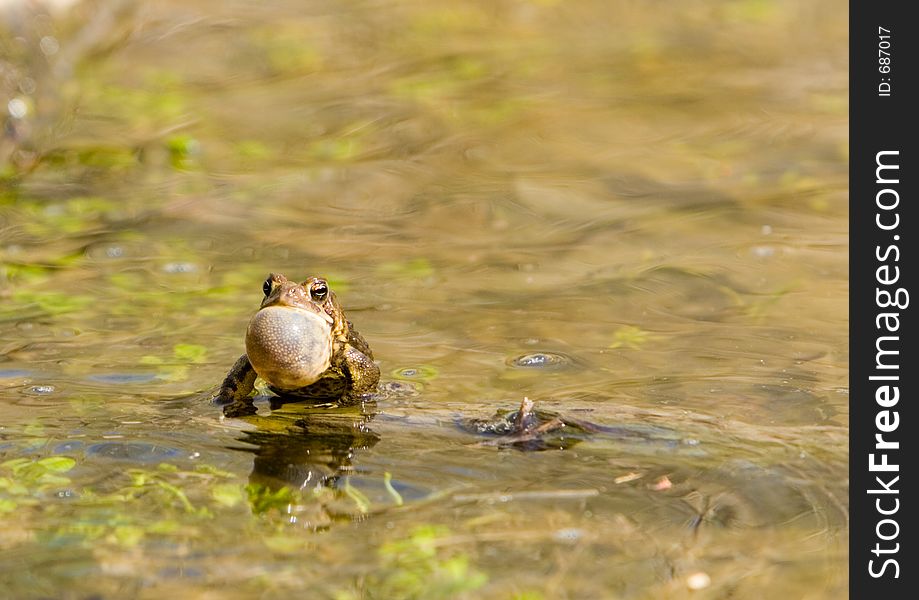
(194, 353)
(630, 336)
(51, 302)
(176, 368)
(416, 268)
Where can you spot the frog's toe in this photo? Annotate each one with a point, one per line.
(238, 408)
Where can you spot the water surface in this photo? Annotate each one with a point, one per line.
(653, 195)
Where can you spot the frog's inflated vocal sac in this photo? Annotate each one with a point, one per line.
(303, 346)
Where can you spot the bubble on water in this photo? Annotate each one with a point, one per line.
(49, 45)
(27, 86)
(540, 360)
(180, 267)
(570, 534)
(42, 389)
(422, 373)
(17, 108)
(698, 581)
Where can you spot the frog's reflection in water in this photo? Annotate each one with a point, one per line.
(300, 454)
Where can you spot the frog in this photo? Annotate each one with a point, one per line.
(529, 429)
(303, 346)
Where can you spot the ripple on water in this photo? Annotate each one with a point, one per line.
(122, 378)
(399, 389)
(37, 400)
(38, 395)
(14, 373)
(133, 451)
(69, 447)
(41, 390)
(382, 492)
(419, 373)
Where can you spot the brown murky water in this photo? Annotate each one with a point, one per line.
(654, 195)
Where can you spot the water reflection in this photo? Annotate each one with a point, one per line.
(307, 449)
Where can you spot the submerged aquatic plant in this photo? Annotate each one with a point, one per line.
(419, 566)
(143, 502)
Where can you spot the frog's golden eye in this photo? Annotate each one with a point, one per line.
(266, 287)
(319, 291)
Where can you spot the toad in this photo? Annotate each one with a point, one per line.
(302, 345)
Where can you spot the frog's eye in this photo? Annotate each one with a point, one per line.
(319, 291)
(266, 287)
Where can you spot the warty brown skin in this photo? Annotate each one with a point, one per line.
(333, 363)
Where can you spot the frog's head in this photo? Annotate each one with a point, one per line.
(292, 337)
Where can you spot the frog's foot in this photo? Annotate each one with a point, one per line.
(239, 408)
(365, 398)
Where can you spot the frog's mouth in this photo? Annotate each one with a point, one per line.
(312, 310)
(289, 347)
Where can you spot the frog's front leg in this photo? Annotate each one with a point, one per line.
(363, 373)
(236, 387)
